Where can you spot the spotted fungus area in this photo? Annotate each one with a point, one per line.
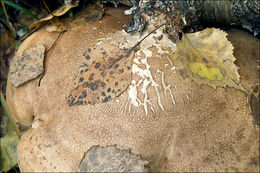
(104, 74)
(169, 121)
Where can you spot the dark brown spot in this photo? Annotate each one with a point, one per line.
(89, 50)
(91, 77)
(103, 73)
(83, 95)
(93, 62)
(103, 93)
(104, 53)
(81, 79)
(94, 86)
(116, 66)
(111, 61)
(128, 67)
(109, 90)
(120, 71)
(111, 72)
(116, 83)
(81, 71)
(102, 84)
(106, 98)
(97, 65)
(79, 102)
(87, 57)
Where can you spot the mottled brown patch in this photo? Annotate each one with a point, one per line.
(27, 65)
(99, 82)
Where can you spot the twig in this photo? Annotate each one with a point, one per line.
(53, 45)
(7, 18)
(175, 23)
(133, 48)
(28, 5)
(46, 6)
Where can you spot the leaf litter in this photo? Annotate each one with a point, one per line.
(207, 57)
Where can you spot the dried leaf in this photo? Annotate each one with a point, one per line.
(104, 74)
(207, 57)
(27, 65)
(92, 13)
(111, 159)
(59, 12)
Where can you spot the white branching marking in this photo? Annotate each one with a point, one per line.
(188, 97)
(147, 80)
(172, 66)
(132, 93)
(166, 87)
(153, 83)
(141, 67)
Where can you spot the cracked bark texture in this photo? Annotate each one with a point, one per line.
(244, 13)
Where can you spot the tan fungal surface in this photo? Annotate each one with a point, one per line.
(27, 65)
(172, 122)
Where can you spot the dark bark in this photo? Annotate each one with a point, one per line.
(244, 13)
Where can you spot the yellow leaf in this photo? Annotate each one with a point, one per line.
(207, 57)
(202, 70)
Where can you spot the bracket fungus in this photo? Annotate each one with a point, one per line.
(162, 118)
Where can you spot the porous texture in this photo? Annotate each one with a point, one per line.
(168, 120)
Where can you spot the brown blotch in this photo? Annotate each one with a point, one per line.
(103, 73)
(97, 65)
(111, 72)
(116, 66)
(81, 79)
(121, 71)
(87, 57)
(91, 77)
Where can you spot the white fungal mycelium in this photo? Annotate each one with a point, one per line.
(141, 67)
